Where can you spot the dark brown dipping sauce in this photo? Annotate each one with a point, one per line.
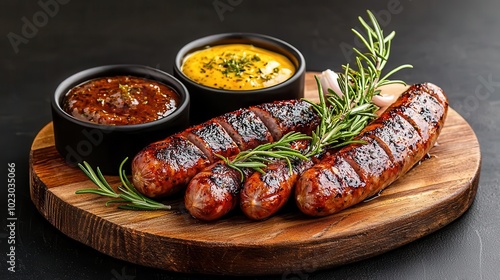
(120, 100)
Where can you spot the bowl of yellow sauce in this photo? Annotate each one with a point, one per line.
(225, 72)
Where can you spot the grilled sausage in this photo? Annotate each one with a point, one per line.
(283, 117)
(246, 129)
(212, 139)
(213, 192)
(164, 168)
(263, 194)
(153, 178)
(393, 143)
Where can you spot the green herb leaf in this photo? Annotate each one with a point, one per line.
(128, 194)
(342, 117)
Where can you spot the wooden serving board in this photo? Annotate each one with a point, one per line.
(430, 196)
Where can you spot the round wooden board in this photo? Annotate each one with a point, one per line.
(430, 196)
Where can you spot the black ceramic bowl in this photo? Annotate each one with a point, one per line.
(207, 102)
(106, 146)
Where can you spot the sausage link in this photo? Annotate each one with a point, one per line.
(153, 178)
(246, 128)
(165, 167)
(208, 197)
(212, 139)
(213, 192)
(282, 117)
(393, 143)
(263, 194)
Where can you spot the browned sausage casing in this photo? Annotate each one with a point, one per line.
(165, 167)
(150, 175)
(213, 192)
(263, 194)
(394, 142)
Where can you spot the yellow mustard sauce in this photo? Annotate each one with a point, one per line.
(237, 67)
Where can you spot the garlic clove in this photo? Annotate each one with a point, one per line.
(383, 101)
(328, 79)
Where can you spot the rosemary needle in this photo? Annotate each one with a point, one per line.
(129, 197)
(98, 179)
(259, 156)
(342, 115)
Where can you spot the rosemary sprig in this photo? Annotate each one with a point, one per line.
(98, 179)
(132, 199)
(342, 114)
(339, 122)
(259, 156)
(368, 78)
(349, 111)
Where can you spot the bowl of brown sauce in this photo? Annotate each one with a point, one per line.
(105, 114)
(225, 72)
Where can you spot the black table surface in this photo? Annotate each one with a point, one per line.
(452, 43)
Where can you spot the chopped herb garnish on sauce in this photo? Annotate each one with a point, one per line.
(237, 67)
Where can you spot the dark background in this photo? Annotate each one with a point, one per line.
(452, 43)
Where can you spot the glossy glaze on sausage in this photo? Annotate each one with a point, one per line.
(150, 175)
(213, 192)
(212, 139)
(284, 117)
(246, 128)
(263, 194)
(156, 172)
(209, 197)
(393, 144)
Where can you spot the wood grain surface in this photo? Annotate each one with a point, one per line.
(433, 194)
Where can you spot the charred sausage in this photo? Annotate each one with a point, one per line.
(153, 178)
(393, 143)
(212, 139)
(165, 167)
(283, 117)
(213, 192)
(263, 194)
(246, 128)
